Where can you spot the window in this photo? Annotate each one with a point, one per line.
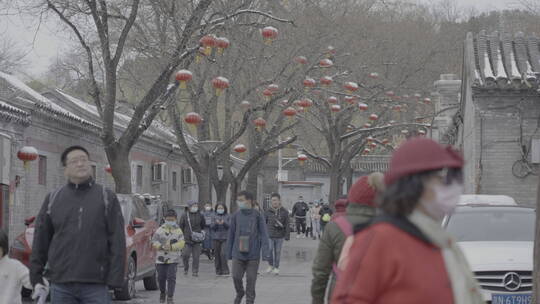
(42, 170)
(158, 172)
(174, 180)
(94, 172)
(186, 176)
(139, 175)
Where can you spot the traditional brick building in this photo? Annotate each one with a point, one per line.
(497, 119)
(55, 120)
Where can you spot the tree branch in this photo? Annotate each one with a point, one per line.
(248, 11)
(125, 31)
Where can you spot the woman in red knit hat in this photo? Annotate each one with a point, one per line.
(405, 256)
(360, 210)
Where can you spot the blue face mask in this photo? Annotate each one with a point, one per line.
(170, 223)
(242, 205)
(221, 211)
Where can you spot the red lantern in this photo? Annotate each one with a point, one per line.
(326, 63)
(326, 80)
(363, 106)
(274, 88)
(240, 148)
(301, 109)
(427, 100)
(373, 145)
(332, 100)
(269, 34)
(385, 141)
(27, 154)
(309, 83)
(289, 112)
(284, 102)
(373, 117)
(260, 123)
(330, 51)
(306, 103)
(220, 84)
(267, 94)
(369, 139)
(301, 60)
(367, 125)
(373, 75)
(350, 99)
(335, 108)
(417, 95)
(421, 132)
(184, 76)
(397, 108)
(390, 93)
(208, 42)
(108, 169)
(302, 158)
(351, 86)
(245, 105)
(193, 118)
(222, 43)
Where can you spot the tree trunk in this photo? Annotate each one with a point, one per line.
(350, 173)
(536, 268)
(221, 192)
(335, 186)
(118, 157)
(203, 182)
(252, 180)
(234, 193)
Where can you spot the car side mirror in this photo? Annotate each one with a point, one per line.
(137, 223)
(29, 221)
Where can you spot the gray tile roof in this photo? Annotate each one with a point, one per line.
(502, 61)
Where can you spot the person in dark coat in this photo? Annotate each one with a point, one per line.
(248, 236)
(192, 222)
(79, 234)
(299, 212)
(277, 221)
(219, 228)
(406, 256)
(207, 245)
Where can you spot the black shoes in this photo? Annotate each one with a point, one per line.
(162, 298)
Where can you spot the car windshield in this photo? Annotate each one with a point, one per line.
(492, 225)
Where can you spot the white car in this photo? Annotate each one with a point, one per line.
(498, 243)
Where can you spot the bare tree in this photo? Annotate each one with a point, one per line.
(11, 56)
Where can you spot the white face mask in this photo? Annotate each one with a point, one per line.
(207, 208)
(194, 209)
(445, 201)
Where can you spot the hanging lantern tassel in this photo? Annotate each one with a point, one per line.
(218, 92)
(26, 165)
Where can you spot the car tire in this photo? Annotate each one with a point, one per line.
(151, 282)
(127, 292)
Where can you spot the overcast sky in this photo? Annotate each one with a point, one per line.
(46, 44)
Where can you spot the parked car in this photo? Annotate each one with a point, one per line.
(498, 243)
(140, 226)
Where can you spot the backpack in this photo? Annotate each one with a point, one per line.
(326, 217)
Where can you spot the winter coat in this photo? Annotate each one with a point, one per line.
(13, 276)
(80, 236)
(275, 230)
(300, 210)
(208, 215)
(197, 225)
(329, 250)
(315, 216)
(248, 222)
(323, 211)
(220, 231)
(168, 236)
(393, 262)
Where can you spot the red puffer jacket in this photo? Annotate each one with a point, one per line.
(393, 263)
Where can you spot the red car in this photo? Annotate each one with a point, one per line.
(141, 225)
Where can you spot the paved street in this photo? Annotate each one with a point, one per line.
(291, 286)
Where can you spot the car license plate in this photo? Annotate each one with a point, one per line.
(511, 299)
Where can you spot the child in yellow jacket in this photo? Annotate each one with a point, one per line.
(168, 241)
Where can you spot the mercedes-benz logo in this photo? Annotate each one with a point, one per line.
(512, 281)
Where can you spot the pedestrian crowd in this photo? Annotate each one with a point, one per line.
(382, 243)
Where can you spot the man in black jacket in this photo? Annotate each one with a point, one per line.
(277, 221)
(192, 222)
(299, 212)
(79, 235)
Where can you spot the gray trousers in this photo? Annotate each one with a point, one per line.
(167, 278)
(250, 268)
(194, 250)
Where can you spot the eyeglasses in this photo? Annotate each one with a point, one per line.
(450, 175)
(77, 161)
